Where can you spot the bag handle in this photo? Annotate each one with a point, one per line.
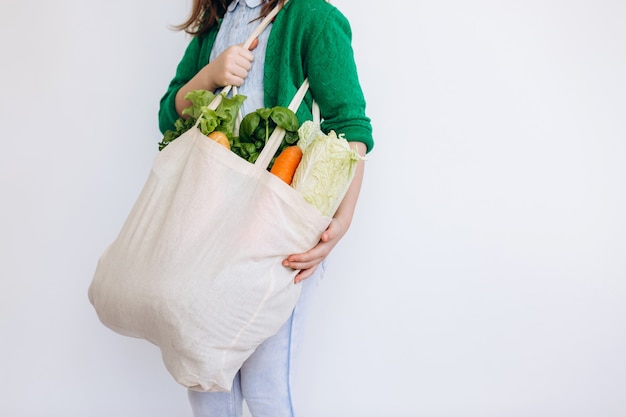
(276, 138)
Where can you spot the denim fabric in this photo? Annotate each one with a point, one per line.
(264, 380)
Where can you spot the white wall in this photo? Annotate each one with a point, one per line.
(484, 274)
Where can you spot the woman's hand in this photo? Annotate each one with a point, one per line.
(307, 262)
(231, 67)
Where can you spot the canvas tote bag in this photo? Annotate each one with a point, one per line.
(197, 266)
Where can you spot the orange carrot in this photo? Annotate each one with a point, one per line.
(286, 163)
(220, 137)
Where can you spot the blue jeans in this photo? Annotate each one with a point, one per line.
(264, 380)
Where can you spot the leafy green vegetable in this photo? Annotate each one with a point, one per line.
(327, 167)
(254, 131)
(227, 114)
(256, 128)
(199, 99)
(223, 118)
(180, 127)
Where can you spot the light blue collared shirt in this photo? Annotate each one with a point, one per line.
(236, 27)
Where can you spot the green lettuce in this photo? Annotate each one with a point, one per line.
(327, 168)
(222, 119)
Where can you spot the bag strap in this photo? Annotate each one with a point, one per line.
(317, 119)
(276, 138)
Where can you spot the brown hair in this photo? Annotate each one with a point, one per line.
(205, 14)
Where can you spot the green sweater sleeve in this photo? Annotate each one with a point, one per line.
(340, 97)
(312, 39)
(195, 57)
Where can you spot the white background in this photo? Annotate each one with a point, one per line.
(484, 273)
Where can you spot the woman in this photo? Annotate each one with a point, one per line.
(307, 39)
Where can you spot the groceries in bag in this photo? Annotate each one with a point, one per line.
(319, 166)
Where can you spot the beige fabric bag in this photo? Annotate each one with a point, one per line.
(196, 268)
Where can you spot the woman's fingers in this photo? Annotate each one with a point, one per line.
(304, 274)
(232, 66)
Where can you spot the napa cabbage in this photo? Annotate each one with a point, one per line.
(327, 167)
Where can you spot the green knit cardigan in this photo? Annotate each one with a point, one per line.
(309, 38)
